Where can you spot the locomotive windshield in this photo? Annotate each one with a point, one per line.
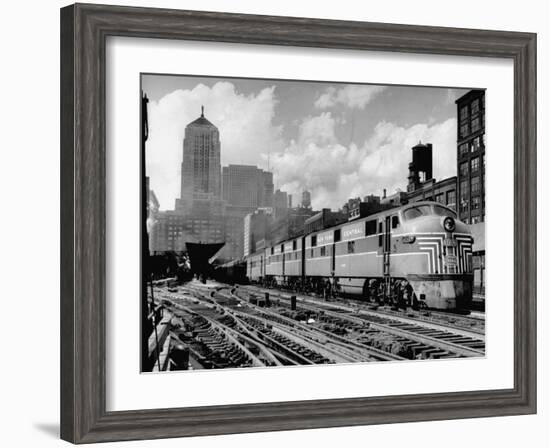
(443, 211)
(426, 210)
(417, 212)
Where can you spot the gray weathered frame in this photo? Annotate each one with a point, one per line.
(84, 29)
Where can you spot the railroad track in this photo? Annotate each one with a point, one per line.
(472, 323)
(216, 343)
(414, 339)
(236, 331)
(276, 348)
(330, 346)
(466, 326)
(288, 340)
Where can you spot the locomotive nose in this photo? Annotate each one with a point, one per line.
(449, 224)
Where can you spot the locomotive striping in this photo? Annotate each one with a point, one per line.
(436, 246)
(430, 251)
(374, 235)
(464, 248)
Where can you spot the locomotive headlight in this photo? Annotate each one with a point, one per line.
(409, 239)
(449, 224)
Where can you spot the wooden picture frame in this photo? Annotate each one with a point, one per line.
(84, 29)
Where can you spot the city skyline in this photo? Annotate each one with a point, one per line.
(335, 140)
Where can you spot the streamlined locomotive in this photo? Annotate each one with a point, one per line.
(419, 254)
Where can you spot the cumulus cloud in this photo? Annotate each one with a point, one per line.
(316, 159)
(352, 96)
(245, 124)
(334, 172)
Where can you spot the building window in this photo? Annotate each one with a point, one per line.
(351, 247)
(474, 165)
(463, 113)
(451, 198)
(464, 169)
(464, 130)
(464, 188)
(476, 144)
(475, 106)
(476, 124)
(314, 240)
(475, 185)
(323, 251)
(294, 245)
(475, 203)
(463, 149)
(337, 235)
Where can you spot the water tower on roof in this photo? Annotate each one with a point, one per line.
(420, 169)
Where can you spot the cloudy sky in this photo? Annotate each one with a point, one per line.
(336, 140)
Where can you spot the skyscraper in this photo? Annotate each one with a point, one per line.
(199, 209)
(471, 176)
(200, 168)
(268, 188)
(280, 199)
(471, 156)
(247, 186)
(306, 199)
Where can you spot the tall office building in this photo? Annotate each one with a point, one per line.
(306, 199)
(268, 188)
(256, 228)
(200, 168)
(280, 200)
(199, 212)
(471, 176)
(471, 156)
(247, 186)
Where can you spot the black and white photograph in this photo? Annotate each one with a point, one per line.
(298, 223)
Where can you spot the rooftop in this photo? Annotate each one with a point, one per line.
(201, 121)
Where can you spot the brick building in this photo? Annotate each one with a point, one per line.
(471, 156)
(471, 175)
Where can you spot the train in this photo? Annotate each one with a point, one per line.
(417, 255)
